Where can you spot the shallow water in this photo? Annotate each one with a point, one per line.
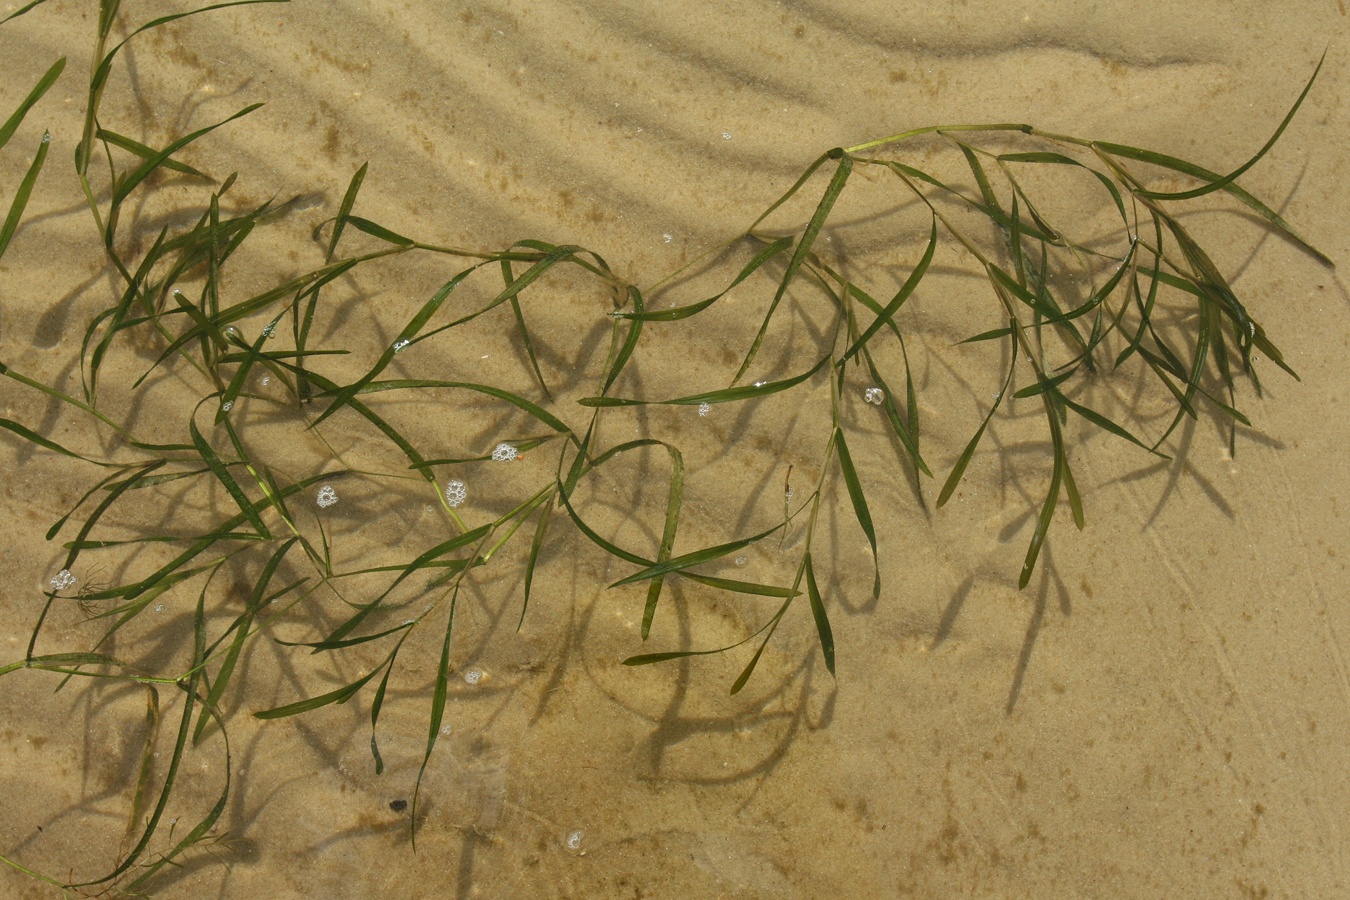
(1162, 712)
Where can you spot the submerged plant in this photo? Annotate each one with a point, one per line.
(255, 376)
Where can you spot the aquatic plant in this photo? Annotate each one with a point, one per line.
(240, 435)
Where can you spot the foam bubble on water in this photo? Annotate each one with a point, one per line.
(456, 492)
(326, 496)
(504, 452)
(573, 840)
(62, 580)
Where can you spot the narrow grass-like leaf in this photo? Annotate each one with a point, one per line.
(1228, 179)
(536, 544)
(1048, 507)
(907, 431)
(405, 338)
(189, 687)
(14, 15)
(379, 231)
(1043, 156)
(769, 629)
(1107, 150)
(901, 295)
(963, 460)
(345, 210)
(696, 558)
(804, 244)
(32, 436)
(630, 341)
(823, 629)
(420, 562)
(146, 152)
(139, 174)
(674, 498)
(1048, 384)
(16, 207)
(223, 475)
(44, 84)
(437, 713)
(533, 410)
(683, 312)
(1106, 424)
(725, 395)
(242, 629)
(859, 499)
(341, 695)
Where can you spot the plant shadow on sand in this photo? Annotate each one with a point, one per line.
(278, 522)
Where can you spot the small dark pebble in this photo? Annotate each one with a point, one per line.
(398, 805)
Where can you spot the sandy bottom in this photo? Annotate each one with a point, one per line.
(1163, 712)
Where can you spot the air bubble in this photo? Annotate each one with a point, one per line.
(227, 406)
(726, 135)
(326, 496)
(473, 675)
(268, 329)
(400, 344)
(230, 331)
(875, 396)
(504, 452)
(573, 840)
(704, 408)
(741, 562)
(445, 729)
(455, 493)
(62, 580)
(159, 607)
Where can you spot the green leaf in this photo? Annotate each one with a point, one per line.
(900, 297)
(855, 493)
(1228, 179)
(341, 695)
(20, 201)
(674, 497)
(345, 211)
(963, 460)
(698, 557)
(725, 395)
(818, 613)
(44, 84)
(227, 480)
(808, 238)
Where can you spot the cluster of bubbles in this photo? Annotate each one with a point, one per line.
(326, 496)
(875, 396)
(504, 452)
(473, 675)
(456, 492)
(62, 580)
(704, 408)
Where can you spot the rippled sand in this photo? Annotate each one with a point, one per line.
(1163, 712)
